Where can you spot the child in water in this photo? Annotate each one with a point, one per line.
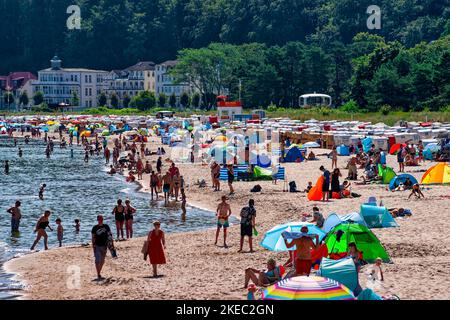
(41, 191)
(77, 225)
(60, 231)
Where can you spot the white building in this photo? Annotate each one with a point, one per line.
(59, 85)
(131, 81)
(165, 82)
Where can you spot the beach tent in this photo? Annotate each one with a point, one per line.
(367, 144)
(377, 217)
(342, 270)
(334, 220)
(315, 194)
(438, 174)
(395, 182)
(368, 294)
(261, 173)
(386, 174)
(294, 154)
(263, 161)
(338, 239)
(343, 150)
(433, 147)
(427, 154)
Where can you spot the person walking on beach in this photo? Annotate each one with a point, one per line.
(223, 212)
(100, 237)
(6, 167)
(159, 165)
(230, 173)
(154, 180)
(334, 158)
(326, 184)
(41, 191)
(60, 231)
(42, 224)
(119, 216)
(129, 216)
(107, 155)
(183, 205)
(248, 223)
(140, 169)
(167, 181)
(176, 179)
(15, 216)
(156, 246)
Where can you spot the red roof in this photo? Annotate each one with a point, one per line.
(16, 80)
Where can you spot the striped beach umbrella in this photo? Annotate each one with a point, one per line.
(308, 288)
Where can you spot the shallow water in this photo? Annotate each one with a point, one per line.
(74, 190)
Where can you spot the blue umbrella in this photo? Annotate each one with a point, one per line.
(274, 241)
(433, 147)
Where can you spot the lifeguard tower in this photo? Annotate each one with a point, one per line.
(227, 110)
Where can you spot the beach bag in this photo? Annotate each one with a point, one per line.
(144, 249)
(335, 195)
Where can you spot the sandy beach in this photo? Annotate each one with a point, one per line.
(197, 269)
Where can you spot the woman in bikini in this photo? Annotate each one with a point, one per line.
(41, 225)
(176, 185)
(119, 216)
(129, 212)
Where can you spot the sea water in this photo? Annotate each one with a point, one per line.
(75, 190)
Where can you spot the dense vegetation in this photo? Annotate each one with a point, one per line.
(279, 49)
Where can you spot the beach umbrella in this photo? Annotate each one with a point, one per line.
(311, 144)
(274, 241)
(221, 138)
(307, 288)
(433, 147)
(396, 147)
(105, 133)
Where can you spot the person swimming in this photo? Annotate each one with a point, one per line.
(41, 191)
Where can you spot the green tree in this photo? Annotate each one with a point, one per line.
(75, 101)
(114, 101)
(173, 100)
(38, 98)
(195, 100)
(23, 99)
(102, 100)
(144, 101)
(162, 100)
(126, 101)
(185, 100)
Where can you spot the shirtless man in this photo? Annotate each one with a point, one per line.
(304, 245)
(15, 216)
(223, 213)
(167, 181)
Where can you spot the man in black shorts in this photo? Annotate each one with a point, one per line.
(248, 215)
(100, 237)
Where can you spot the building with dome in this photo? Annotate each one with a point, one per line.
(66, 86)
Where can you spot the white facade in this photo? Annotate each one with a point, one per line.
(59, 84)
(165, 83)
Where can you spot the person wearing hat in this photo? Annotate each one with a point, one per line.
(304, 245)
(156, 246)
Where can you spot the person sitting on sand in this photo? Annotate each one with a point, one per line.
(309, 187)
(416, 191)
(42, 224)
(311, 156)
(223, 213)
(263, 278)
(318, 217)
(148, 167)
(304, 245)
